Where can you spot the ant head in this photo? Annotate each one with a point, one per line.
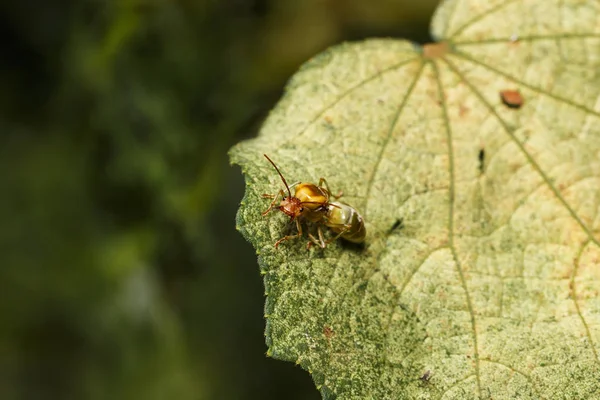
(291, 206)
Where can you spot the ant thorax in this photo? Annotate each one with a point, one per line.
(312, 196)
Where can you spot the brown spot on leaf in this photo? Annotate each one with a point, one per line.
(511, 98)
(435, 50)
(328, 332)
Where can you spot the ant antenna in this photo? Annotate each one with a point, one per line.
(282, 178)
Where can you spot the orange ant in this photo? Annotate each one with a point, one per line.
(311, 202)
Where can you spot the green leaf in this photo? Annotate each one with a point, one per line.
(482, 258)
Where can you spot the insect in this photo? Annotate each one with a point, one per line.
(311, 203)
(426, 376)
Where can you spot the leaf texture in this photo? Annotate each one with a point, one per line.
(482, 259)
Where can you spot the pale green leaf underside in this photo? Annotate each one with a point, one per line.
(492, 281)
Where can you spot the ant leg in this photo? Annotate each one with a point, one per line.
(299, 234)
(320, 232)
(319, 242)
(324, 181)
(345, 229)
(273, 202)
(311, 241)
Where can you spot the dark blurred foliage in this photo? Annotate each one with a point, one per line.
(122, 276)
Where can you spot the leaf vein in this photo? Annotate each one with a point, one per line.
(451, 225)
(525, 84)
(389, 136)
(350, 91)
(527, 155)
(531, 38)
(574, 295)
(481, 16)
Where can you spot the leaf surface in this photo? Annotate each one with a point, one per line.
(482, 258)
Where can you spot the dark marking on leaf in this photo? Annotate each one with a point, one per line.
(481, 157)
(426, 376)
(398, 224)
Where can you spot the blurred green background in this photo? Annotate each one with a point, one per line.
(122, 275)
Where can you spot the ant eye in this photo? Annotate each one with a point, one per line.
(301, 209)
